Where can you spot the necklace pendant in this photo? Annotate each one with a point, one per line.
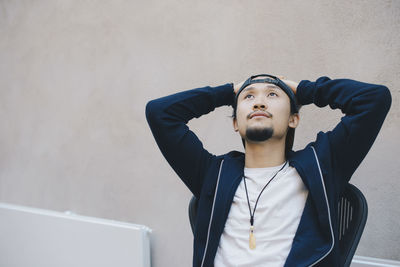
(252, 239)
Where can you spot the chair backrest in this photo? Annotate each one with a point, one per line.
(192, 211)
(352, 216)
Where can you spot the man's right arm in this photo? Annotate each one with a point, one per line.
(167, 118)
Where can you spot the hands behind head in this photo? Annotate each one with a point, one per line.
(293, 85)
(237, 86)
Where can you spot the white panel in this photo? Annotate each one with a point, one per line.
(360, 261)
(40, 238)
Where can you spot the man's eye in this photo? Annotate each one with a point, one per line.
(248, 96)
(272, 94)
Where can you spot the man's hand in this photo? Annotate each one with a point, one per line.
(293, 85)
(237, 86)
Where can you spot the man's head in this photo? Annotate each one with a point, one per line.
(265, 108)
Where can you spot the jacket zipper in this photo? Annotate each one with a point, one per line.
(329, 211)
(211, 217)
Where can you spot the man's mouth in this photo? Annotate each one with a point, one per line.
(260, 114)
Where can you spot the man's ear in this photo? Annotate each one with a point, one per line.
(294, 120)
(235, 126)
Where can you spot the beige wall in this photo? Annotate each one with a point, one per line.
(75, 77)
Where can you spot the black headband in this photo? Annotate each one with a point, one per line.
(274, 80)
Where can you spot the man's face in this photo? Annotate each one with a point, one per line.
(263, 112)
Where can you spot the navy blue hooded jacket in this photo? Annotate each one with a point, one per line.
(325, 165)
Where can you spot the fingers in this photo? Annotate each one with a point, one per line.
(237, 86)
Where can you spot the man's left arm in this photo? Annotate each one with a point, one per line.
(365, 107)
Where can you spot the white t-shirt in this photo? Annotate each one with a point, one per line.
(276, 219)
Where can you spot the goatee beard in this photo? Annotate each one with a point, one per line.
(259, 135)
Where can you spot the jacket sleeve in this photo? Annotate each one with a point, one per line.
(365, 107)
(167, 118)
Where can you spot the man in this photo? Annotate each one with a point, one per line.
(270, 206)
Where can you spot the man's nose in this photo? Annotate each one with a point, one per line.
(259, 106)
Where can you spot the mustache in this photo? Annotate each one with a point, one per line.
(259, 111)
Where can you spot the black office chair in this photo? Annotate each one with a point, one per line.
(353, 212)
